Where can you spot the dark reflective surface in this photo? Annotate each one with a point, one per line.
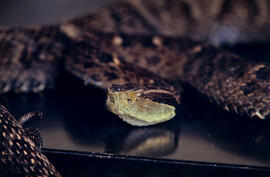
(76, 119)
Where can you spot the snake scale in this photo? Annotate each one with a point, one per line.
(19, 153)
(137, 50)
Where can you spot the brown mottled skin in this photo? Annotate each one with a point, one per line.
(141, 44)
(103, 68)
(237, 85)
(215, 21)
(29, 58)
(19, 154)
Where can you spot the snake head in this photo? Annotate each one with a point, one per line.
(141, 106)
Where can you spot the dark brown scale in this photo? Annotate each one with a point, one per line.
(232, 65)
(127, 19)
(19, 154)
(226, 8)
(263, 73)
(126, 43)
(110, 76)
(153, 60)
(188, 66)
(248, 88)
(147, 43)
(187, 11)
(6, 51)
(105, 57)
(90, 64)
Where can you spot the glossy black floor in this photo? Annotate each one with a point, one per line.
(79, 132)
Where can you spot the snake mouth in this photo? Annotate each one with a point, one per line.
(141, 108)
(161, 96)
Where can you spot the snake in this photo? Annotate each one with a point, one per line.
(139, 51)
(20, 148)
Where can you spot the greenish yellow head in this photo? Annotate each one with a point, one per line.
(139, 107)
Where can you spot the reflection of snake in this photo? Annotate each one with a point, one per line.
(96, 50)
(113, 49)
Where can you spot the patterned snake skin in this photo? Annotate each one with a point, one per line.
(19, 154)
(136, 50)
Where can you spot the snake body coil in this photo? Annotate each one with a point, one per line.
(19, 154)
(116, 46)
(136, 50)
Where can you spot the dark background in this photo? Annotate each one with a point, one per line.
(29, 12)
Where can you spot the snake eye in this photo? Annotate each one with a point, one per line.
(129, 100)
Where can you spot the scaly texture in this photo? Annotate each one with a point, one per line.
(29, 55)
(29, 58)
(19, 154)
(121, 48)
(237, 85)
(144, 98)
(215, 21)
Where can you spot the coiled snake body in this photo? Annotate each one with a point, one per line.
(135, 49)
